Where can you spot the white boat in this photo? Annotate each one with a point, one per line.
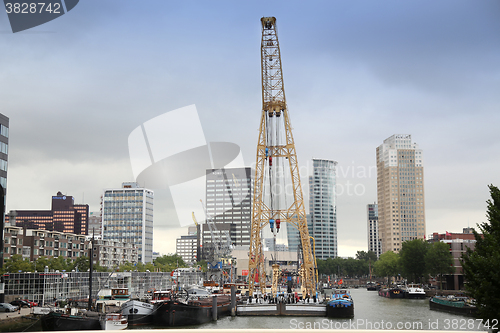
(137, 312)
(113, 322)
(414, 291)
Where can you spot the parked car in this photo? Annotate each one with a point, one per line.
(6, 307)
(31, 303)
(20, 303)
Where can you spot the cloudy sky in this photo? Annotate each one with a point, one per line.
(355, 73)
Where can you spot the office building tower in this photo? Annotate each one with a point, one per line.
(323, 209)
(188, 246)
(374, 242)
(229, 203)
(65, 216)
(400, 192)
(128, 218)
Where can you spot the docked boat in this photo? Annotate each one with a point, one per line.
(110, 300)
(340, 305)
(395, 292)
(113, 322)
(160, 296)
(58, 321)
(453, 304)
(414, 291)
(137, 312)
(283, 305)
(372, 286)
(191, 311)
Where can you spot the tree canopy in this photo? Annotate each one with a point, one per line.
(349, 267)
(387, 264)
(412, 259)
(439, 260)
(16, 263)
(482, 265)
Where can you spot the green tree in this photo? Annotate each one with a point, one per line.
(387, 265)
(412, 254)
(127, 266)
(482, 265)
(40, 263)
(81, 264)
(59, 263)
(168, 263)
(366, 256)
(439, 260)
(16, 263)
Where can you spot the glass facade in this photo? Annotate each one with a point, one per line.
(44, 287)
(128, 218)
(323, 208)
(229, 201)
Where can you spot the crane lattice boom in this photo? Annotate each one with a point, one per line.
(275, 145)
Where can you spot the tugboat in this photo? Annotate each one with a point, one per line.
(141, 313)
(137, 312)
(340, 305)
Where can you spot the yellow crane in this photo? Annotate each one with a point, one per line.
(276, 148)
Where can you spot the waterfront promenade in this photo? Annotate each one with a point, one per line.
(24, 312)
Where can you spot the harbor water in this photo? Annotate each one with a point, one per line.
(371, 312)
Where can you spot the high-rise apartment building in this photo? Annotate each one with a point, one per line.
(400, 192)
(374, 242)
(323, 208)
(128, 218)
(229, 202)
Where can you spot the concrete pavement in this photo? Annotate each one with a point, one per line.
(24, 312)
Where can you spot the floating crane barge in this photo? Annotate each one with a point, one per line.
(276, 156)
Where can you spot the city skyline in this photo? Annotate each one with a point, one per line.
(76, 87)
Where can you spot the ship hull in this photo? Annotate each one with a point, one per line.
(340, 311)
(447, 306)
(138, 313)
(55, 321)
(391, 293)
(196, 312)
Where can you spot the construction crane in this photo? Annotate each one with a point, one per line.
(276, 148)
